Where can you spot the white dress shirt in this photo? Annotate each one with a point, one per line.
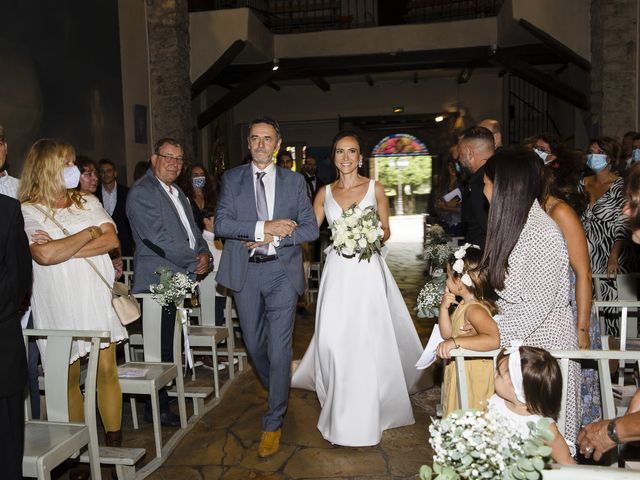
(109, 199)
(173, 195)
(9, 185)
(269, 181)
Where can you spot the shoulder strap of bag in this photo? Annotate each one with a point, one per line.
(66, 232)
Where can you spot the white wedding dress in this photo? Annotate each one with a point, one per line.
(361, 359)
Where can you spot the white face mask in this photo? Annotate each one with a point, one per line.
(71, 176)
(542, 154)
(635, 155)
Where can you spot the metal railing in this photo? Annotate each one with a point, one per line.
(295, 16)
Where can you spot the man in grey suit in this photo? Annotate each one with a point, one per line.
(265, 215)
(165, 235)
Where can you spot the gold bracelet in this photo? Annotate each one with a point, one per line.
(94, 232)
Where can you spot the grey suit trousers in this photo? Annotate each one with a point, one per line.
(266, 307)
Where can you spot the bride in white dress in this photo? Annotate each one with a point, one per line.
(361, 359)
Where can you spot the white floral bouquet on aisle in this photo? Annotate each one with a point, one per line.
(358, 232)
(470, 444)
(173, 287)
(430, 296)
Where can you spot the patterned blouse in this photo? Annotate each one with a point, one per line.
(604, 224)
(534, 304)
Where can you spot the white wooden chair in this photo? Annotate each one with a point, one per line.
(128, 263)
(207, 335)
(626, 323)
(588, 472)
(313, 281)
(602, 357)
(49, 443)
(157, 374)
(232, 323)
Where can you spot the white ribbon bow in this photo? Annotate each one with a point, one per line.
(182, 314)
(515, 369)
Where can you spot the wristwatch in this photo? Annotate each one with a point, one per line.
(611, 431)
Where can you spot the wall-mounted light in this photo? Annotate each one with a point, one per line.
(276, 64)
(398, 109)
(439, 118)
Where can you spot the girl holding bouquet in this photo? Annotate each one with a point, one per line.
(361, 358)
(467, 279)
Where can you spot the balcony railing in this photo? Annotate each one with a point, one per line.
(294, 16)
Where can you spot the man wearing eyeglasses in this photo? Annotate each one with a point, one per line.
(165, 235)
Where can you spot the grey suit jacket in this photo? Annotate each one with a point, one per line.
(161, 239)
(236, 218)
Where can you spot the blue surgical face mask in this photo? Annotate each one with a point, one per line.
(635, 155)
(458, 167)
(542, 154)
(71, 176)
(597, 161)
(198, 182)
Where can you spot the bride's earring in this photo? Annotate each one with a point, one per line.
(360, 164)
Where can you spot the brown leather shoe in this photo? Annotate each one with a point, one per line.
(269, 443)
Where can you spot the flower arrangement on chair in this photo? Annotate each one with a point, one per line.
(470, 444)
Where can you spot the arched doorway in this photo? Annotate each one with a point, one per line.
(403, 164)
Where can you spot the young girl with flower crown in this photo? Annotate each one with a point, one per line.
(528, 385)
(467, 280)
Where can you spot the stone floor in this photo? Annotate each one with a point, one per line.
(223, 444)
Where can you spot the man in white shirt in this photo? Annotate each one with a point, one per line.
(165, 235)
(8, 185)
(265, 216)
(113, 196)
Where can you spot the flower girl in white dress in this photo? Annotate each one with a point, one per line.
(528, 384)
(361, 359)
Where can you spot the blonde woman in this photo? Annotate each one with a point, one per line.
(67, 293)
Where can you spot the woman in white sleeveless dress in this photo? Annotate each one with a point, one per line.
(361, 359)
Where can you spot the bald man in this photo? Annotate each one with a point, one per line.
(496, 130)
(475, 147)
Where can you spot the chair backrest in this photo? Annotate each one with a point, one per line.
(151, 328)
(128, 263)
(207, 290)
(563, 356)
(56, 368)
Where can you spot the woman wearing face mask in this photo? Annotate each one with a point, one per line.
(200, 190)
(602, 219)
(67, 293)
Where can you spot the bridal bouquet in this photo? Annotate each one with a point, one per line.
(470, 444)
(173, 287)
(358, 232)
(430, 296)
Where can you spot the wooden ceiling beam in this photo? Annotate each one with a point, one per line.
(321, 83)
(209, 77)
(557, 46)
(235, 96)
(553, 86)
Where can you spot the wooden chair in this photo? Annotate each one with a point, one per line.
(207, 334)
(233, 324)
(49, 443)
(156, 374)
